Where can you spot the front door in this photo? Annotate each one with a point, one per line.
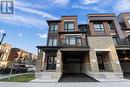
(51, 63)
(100, 62)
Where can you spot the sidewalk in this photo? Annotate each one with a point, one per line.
(70, 84)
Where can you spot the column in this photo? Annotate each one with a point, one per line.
(40, 61)
(115, 61)
(93, 61)
(59, 62)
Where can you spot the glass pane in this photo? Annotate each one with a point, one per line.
(56, 27)
(129, 20)
(72, 41)
(70, 26)
(51, 27)
(55, 42)
(50, 42)
(101, 25)
(65, 25)
(96, 26)
(67, 41)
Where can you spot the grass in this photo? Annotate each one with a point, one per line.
(20, 78)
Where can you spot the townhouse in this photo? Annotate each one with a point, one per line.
(100, 48)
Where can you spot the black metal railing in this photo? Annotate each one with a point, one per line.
(74, 43)
(119, 41)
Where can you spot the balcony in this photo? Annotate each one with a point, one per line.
(75, 43)
(122, 43)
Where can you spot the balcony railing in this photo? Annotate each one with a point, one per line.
(119, 41)
(74, 43)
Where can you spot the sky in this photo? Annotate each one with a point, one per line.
(27, 28)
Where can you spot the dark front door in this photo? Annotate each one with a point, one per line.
(51, 63)
(100, 62)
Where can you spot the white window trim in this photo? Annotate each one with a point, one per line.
(102, 49)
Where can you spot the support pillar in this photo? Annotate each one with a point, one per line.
(59, 62)
(40, 61)
(93, 61)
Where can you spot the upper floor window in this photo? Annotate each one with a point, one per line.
(69, 25)
(82, 28)
(128, 20)
(73, 40)
(53, 28)
(52, 41)
(98, 26)
(111, 25)
(128, 34)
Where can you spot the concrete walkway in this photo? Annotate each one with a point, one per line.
(80, 84)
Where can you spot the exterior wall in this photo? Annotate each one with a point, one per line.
(103, 44)
(40, 62)
(4, 50)
(125, 16)
(23, 56)
(86, 64)
(74, 18)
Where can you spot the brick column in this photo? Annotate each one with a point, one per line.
(40, 61)
(59, 62)
(93, 61)
(115, 61)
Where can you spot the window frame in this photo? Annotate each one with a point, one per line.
(66, 25)
(100, 27)
(111, 25)
(53, 29)
(128, 20)
(68, 40)
(51, 40)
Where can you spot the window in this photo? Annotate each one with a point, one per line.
(129, 21)
(98, 26)
(52, 42)
(73, 40)
(111, 25)
(69, 26)
(53, 28)
(82, 28)
(128, 34)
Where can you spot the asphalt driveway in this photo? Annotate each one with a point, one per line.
(77, 78)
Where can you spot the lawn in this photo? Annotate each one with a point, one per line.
(20, 78)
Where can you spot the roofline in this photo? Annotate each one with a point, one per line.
(69, 16)
(102, 14)
(123, 13)
(53, 21)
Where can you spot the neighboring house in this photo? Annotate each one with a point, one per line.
(4, 53)
(100, 48)
(23, 57)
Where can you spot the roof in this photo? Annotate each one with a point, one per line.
(123, 13)
(53, 21)
(102, 15)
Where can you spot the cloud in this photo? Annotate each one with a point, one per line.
(37, 12)
(30, 17)
(84, 7)
(24, 20)
(43, 36)
(26, 4)
(61, 2)
(90, 1)
(2, 31)
(122, 6)
(28, 8)
(20, 35)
